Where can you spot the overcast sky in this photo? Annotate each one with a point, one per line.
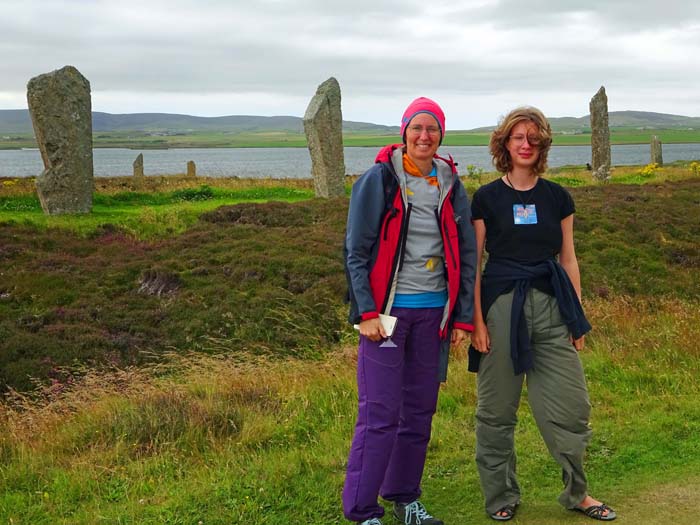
(476, 58)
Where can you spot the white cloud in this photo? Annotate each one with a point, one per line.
(477, 58)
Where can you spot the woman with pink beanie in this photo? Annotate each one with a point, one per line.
(410, 253)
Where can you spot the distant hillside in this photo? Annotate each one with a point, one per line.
(18, 121)
(15, 121)
(622, 119)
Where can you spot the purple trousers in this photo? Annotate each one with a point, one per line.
(397, 391)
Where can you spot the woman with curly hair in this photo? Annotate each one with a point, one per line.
(528, 319)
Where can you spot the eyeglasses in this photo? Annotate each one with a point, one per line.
(418, 130)
(519, 139)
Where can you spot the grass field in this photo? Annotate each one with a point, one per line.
(216, 441)
(284, 139)
(138, 210)
(230, 396)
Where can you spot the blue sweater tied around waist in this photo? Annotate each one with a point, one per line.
(502, 275)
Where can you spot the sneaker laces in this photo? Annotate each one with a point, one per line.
(418, 510)
(373, 521)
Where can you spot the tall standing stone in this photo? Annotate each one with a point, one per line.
(323, 125)
(656, 155)
(600, 135)
(138, 166)
(61, 111)
(191, 168)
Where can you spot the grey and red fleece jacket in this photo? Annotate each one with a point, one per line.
(376, 230)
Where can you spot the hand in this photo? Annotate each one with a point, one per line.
(372, 329)
(480, 337)
(578, 343)
(458, 336)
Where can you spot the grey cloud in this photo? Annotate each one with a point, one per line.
(613, 15)
(375, 49)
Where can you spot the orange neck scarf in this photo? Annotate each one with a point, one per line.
(412, 169)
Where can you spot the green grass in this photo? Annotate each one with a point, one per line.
(144, 215)
(219, 441)
(230, 397)
(452, 138)
(633, 136)
(248, 278)
(288, 139)
(245, 279)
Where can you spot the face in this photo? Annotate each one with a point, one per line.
(523, 152)
(422, 137)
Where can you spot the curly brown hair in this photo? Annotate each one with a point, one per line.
(500, 136)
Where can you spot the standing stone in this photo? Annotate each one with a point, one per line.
(323, 125)
(656, 156)
(60, 107)
(138, 166)
(600, 135)
(191, 169)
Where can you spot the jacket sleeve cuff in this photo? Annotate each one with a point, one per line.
(369, 315)
(465, 326)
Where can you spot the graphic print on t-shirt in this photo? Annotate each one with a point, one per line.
(524, 214)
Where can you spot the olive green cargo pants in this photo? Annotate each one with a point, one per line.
(556, 392)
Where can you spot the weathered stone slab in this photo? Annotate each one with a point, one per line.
(656, 153)
(191, 169)
(61, 111)
(600, 135)
(323, 125)
(138, 166)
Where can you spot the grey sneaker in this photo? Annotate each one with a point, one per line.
(371, 521)
(414, 514)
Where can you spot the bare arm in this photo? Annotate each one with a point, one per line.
(480, 336)
(567, 256)
(568, 261)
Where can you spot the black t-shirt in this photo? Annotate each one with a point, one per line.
(533, 239)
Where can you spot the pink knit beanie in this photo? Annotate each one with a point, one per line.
(423, 105)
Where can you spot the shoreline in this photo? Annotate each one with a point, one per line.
(264, 146)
